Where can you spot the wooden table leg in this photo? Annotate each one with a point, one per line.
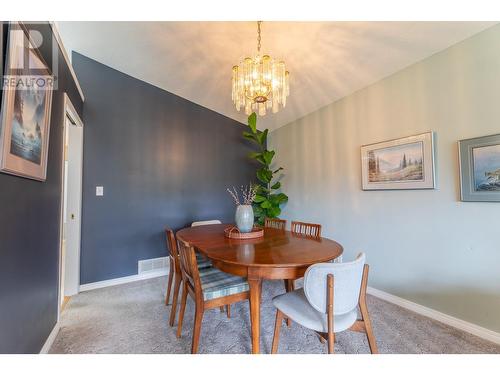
(255, 292)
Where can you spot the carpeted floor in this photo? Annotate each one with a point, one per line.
(132, 318)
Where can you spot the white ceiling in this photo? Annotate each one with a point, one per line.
(326, 60)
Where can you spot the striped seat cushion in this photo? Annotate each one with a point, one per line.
(202, 261)
(216, 284)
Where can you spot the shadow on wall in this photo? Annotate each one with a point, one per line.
(460, 299)
(414, 238)
(162, 160)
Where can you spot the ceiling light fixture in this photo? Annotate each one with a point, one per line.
(260, 83)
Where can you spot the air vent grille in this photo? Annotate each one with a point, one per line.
(152, 265)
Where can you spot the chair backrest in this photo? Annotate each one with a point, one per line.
(206, 222)
(346, 284)
(275, 223)
(173, 251)
(189, 266)
(171, 243)
(307, 229)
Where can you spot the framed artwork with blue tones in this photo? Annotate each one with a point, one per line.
(480, 169)
(26, 106)
(400, 164)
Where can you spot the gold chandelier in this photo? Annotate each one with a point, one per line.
(260, 83)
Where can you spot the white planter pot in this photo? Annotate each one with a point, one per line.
(244, 218)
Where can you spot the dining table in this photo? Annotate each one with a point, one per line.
(277, 255)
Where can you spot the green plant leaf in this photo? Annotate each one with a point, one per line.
(268, 156)
(254, 155)
(261, 176)
(257, 210)
(251, 136)
(252, 122)
(262, 190)
(276, 186)
(266, 204)
(259, 198)
(264, 175)
(263, 137)
(273, 198)
(282, 198)
(274, 212)
(257, 156)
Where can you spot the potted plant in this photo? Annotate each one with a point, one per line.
(268, 200)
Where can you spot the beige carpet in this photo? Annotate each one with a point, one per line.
(132, 318)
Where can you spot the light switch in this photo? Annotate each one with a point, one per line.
(99, 191)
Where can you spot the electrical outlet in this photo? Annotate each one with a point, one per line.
(99, 191)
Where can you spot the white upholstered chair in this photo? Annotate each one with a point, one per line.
(206, 222)
(328, 303)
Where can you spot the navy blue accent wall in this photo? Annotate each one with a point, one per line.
(162, 160)
(29, 233)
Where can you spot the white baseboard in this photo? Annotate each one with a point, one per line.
(123, 280)
(50, 340)
(471, 328)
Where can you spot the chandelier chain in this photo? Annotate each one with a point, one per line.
(258, 36)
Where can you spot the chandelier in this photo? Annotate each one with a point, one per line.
(260, 83)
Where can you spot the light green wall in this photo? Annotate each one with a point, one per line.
(425, 246)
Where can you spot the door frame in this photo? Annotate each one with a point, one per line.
(71, 113)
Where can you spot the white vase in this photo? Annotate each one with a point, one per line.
(244, 218)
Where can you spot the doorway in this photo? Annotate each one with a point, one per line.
(72, 168)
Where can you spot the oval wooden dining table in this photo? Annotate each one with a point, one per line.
(278, 255)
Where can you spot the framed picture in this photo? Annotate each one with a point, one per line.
(405, 163)
(25, 117)
(480, 169)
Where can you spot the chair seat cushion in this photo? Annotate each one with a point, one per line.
(202, 261)
(295, 306)
(216, 284)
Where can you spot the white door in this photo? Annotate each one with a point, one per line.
(72, 207)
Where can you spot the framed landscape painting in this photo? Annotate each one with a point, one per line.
(25, 117)
(480, 169)
(405, 163)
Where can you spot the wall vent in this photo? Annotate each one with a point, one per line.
(153, 265)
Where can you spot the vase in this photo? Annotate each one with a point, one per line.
(244, 218)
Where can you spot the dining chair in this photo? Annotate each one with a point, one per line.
(307, 229)
(174, 274)
(198, 255)
(275, 223)
(205, 222)
(209, 288)
(328, 303)
(313, 230)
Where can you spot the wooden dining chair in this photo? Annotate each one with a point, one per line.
(329, 302)
(211, 222)
(209, 288)
(275, 223)
(307, 229)
(174, 274)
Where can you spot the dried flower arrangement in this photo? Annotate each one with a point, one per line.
(247, 192)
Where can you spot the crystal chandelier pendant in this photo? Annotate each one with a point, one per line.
(260, 83)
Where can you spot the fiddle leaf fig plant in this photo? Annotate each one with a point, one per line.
(267, 201)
